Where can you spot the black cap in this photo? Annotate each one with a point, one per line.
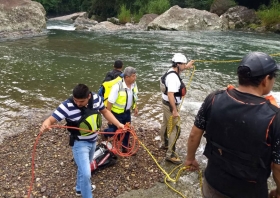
(259, 63)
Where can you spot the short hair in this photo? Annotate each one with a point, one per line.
(245, 78)
(128, 71)
(81, 91)
(118, 64)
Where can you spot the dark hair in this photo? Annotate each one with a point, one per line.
(175, 64)
(118, 64)
(81, 91)
(245, 78)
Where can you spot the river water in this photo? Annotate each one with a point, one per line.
(38, 73)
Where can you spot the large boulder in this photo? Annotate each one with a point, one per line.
(276, 28)
(240, 17)
(219, 7)
(184, 19)
(70, 17)
(82, 23)
(146, 19)
(106, 26)
(19, 18)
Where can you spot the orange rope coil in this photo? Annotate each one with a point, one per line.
(117, 145)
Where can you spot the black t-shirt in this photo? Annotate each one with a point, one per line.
(274, 130)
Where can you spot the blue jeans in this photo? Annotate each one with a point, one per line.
(122, 118)
(83, 152)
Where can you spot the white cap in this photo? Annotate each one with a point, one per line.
(179, 58)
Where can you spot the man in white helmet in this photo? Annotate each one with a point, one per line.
(171, 98)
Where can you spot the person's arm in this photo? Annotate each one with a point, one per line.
(111, 118)
(47, 123)
(171, 99)
(193, 143)
(276, 176)
(109, 106)
(136, 111)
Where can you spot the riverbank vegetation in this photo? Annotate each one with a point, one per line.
(270, 15)
(133, 10)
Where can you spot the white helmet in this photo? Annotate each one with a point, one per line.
(179, 58)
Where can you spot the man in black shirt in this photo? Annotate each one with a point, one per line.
(242, 129)
(111, 75)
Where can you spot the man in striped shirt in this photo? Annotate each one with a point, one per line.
(84, 143)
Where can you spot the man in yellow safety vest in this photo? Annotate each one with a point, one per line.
(122, 98)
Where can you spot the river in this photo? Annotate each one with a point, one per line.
(38, 73)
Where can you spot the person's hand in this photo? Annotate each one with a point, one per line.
(274, 194)
(175, 114)
(120, 126)
(136, 111)
(192, 165)
(44, 127)
(190, 64)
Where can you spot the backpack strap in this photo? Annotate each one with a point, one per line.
(164, 78)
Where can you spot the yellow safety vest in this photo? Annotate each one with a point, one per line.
(92, 122)
(120, 105)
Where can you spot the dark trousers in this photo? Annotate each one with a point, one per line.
(122, 118)
(209, 192)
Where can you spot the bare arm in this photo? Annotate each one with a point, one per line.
(171, 99)
(276, 176)
(111, 118)
(193, 143)
(47, 123)
(109, 106)
(136, 111)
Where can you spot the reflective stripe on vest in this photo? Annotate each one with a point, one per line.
(120, 104)
(90, 123)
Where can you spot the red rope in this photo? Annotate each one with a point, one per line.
(117, 145)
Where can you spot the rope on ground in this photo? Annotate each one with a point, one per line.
(117, 149)
(117, 144)
(178, 176)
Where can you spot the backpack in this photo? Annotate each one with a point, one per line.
(103, 157)
(106, 87)
(112, 75)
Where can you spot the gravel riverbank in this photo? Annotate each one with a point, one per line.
(136, 176)
(55, 171)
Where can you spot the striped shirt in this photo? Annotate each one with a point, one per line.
(69, 110)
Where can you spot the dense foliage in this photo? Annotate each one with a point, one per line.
(132, 9)
(270, 15)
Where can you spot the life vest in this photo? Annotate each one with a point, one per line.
(228, 132)
(105, 88)
(182, 90)
(120, 104)
(90, 120)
